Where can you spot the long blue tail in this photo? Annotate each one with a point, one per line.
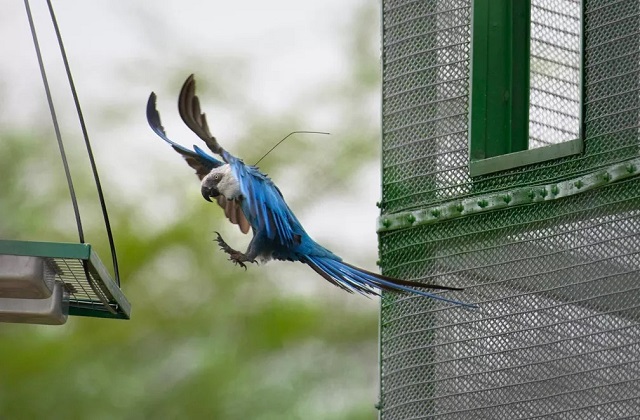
(354, 279)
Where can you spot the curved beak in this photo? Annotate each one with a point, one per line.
(209, 192)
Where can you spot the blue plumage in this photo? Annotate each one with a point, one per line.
(251, 199)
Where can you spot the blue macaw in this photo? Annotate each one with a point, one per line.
(251, 200)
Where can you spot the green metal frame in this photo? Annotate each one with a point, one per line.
(105, 300)
(500, 75)
(513, 198)
(500, 86)
(525, 157)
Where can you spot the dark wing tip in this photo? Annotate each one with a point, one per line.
(189, 85)
(202, 164)
(153, 116)
(193, 117)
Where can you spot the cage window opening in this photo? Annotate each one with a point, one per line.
(526, 83)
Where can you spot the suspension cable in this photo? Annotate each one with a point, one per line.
(56, 127)
(63, 155)
(87, 143)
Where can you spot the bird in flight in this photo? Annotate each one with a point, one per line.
(252, 201)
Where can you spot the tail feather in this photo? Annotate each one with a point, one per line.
(407, 283)
(354, 279)
(346, 277)
(328, 278)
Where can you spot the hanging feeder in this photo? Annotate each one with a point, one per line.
(44, 282)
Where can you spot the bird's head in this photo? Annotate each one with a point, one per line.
(220, 181)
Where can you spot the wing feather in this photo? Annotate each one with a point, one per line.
(262, 205)
(189, 109)
(202, 163)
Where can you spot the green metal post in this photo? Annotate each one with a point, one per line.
(500, 77)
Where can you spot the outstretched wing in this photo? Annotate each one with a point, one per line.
(262, 202)
(189, 108)
(201, 162)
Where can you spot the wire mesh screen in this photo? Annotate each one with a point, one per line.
(557, 279)
(554, 109)
(82, 291)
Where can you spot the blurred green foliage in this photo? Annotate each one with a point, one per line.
(207, 340)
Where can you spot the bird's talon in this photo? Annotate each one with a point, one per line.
(238, 259)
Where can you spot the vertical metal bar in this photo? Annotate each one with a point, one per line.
(520, 35)
(499, 113)
(479, 82)
(497, 64)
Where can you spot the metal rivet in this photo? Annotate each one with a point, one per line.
(606, 176)
(459, 208)
(483, 203)
(630, 167)
(543, 192)
(386, 223)
(506, 198)
(411, 218)
(531, 194)
(578, 184)
(555, 190)
(435, 212)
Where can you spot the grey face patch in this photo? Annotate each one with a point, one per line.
(221, 181)
(209, 186)
(212, 180)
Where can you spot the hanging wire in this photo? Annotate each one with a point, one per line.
(286, 137)
(56, 127)
(87, 143)
(96, 288)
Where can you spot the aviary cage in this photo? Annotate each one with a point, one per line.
(511, 135)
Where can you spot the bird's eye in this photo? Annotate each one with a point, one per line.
(216, 177)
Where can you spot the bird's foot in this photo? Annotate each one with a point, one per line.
(237, 257)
